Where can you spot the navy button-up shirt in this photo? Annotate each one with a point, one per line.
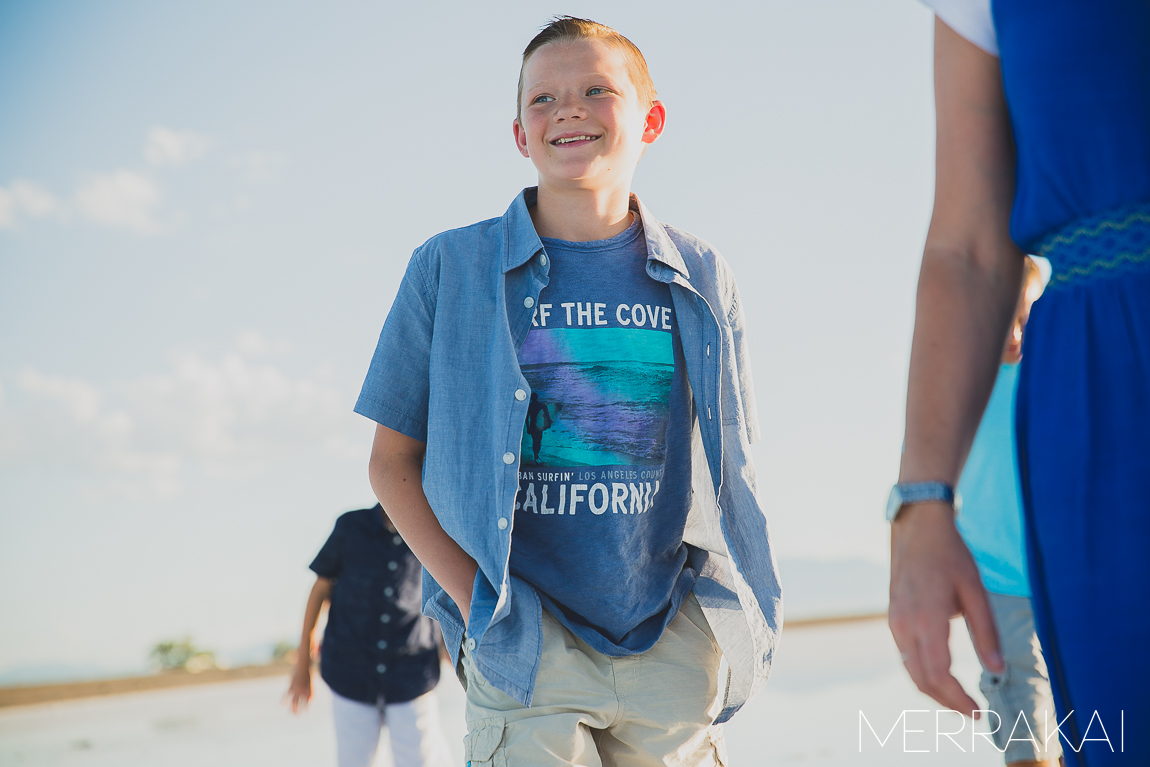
(446, 372)
(377, 644)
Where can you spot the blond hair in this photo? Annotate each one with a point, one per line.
(565, 28)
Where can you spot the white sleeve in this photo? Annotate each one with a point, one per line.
(969, 18)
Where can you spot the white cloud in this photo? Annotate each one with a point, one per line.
(24, 199)
(80, 399)
(7, 209)
(148, 436)
(122, 199)
(165, 146)
(259, 167)
(254, 344)
(67, 424)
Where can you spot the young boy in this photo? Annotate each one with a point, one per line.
(589, 595)
(379, 656)
(991, 526)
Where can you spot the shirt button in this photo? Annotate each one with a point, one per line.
(529, 302)
(389, 591)
(381, 668)
(509, 458)
(520, 395)
(393, 566)
(708, 412)
(385, 618)
(470, 644)
(397, 540)
(381, 644)
(543, 259)
(502, 523)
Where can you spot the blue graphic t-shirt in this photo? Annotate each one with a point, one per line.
(604, 484)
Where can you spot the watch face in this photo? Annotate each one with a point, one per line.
(893, 504)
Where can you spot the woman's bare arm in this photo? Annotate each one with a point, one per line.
(967, 294)
(395, 471)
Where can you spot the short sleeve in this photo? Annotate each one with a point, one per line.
(329, 561)
(396, 390)
(738, 325)
(969, 18)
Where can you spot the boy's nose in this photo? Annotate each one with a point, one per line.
(569, 109)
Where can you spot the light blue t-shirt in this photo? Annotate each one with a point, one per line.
(605, 473)
(991, 518)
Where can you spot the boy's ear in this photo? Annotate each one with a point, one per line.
(655, 121)
(520, 137)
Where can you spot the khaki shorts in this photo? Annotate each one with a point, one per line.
(594, 710)
(1024, 688)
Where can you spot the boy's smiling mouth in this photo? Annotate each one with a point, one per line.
(573, 139)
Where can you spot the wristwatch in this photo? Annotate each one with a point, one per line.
(918, 492)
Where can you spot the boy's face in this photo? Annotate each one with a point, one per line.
(582, 124)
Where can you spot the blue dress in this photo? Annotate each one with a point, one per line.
(1077, 81)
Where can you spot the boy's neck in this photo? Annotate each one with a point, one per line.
(581, 215)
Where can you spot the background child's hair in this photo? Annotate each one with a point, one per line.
(563, 28)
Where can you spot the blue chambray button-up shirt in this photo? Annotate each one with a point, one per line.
(446, 372)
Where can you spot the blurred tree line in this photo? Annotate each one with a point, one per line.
(182, 654)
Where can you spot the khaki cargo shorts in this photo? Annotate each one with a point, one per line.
(593, 710)
(1023, 690)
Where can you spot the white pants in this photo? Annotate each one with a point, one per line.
(416, 738)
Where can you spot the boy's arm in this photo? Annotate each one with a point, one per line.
(967, 293)
(395, 471)
(299, 692)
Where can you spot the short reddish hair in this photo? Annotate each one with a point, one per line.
(563, 28)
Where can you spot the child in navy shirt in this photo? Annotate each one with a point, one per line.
(379, 655)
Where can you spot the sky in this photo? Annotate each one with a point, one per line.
(205, 210)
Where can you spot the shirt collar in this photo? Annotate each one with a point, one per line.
(659, 245)
(521, 241)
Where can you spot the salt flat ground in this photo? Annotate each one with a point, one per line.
(808, 714)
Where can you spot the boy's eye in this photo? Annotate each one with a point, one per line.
(541, 99)
(597, 90)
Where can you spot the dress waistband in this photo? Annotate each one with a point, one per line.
(1103, 246)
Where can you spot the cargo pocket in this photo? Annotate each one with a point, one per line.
(483, 746)
(991, 683)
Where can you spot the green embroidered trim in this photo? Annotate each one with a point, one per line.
(1061, 240)
(1100, 247)
(1117, 263)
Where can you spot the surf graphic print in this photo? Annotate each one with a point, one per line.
(601, 375)
(598, 397)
